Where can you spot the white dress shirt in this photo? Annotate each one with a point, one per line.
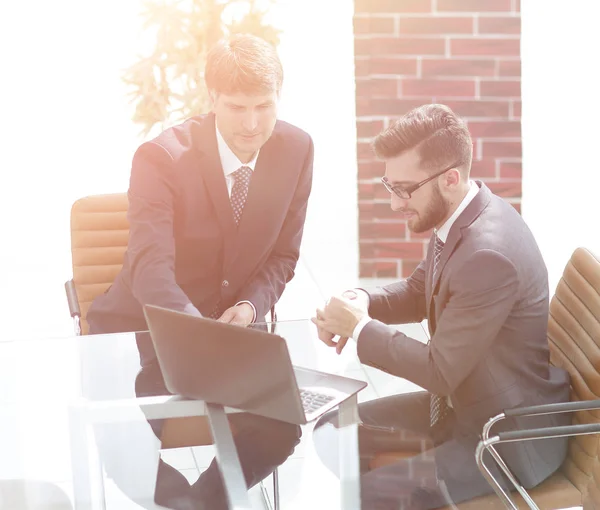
(230, 163)
(442, 233)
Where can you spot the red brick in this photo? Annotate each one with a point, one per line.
(387, 250)
(368, 128)
(364, 150)
(399, 46)
(440, 88)
(408, 267)
(389, 106)
(370, 169)
(503, 25)
(374, 6)
(516, 109)
(367, 269)
(517, 5)
(506, 189)
(502, 149)
(509, 67)
(370, 230)
(373, 25)
(436, 25)
(473, 5)
(377, 87)
(511, 170)
(481, 46)
(385, 269)
(366, 190)
(517, 206)
(369, 211)
(483, 169)
(494, 88)
(477, 108)
(495, 129)
(391, 65)
(457, 67)
(372, 191)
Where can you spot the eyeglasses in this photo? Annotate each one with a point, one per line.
(406, 192)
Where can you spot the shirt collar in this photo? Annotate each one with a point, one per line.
(229, 161)
(444, 230)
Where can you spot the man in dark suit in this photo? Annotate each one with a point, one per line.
(484, 289)
(216, 212)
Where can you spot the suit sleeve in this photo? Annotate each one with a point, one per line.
(264, 289)
(400, 302)
(151, 248)
(483, 292)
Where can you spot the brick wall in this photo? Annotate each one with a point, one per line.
(463, 53)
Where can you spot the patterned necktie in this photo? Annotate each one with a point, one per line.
(239, 192)
(438, 406)
(438, 246)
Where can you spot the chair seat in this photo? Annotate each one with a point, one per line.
(186, 432)
(555, 492)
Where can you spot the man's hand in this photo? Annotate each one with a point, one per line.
(240, 315)
(339, 317)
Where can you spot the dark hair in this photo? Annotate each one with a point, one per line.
(245, 64)
(441, 137)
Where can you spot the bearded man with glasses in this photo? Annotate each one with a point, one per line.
(483, 287)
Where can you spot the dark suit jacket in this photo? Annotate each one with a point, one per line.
(184, 245)
(488, 315)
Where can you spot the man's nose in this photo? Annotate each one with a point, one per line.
(397, 203)
(250, 121)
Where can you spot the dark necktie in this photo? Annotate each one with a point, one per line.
(239, 191)
(438, 406)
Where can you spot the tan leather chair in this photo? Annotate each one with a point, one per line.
(591, 498)
(99, 235)
(574, 338)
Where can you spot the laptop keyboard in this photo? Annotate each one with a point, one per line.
(311, 400)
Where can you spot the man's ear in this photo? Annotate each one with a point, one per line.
(452, 178)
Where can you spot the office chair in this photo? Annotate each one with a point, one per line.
(574, 339)
(99, 235)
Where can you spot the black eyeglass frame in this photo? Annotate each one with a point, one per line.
(406, 192)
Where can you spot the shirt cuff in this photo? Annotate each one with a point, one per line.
(359, 327)
(253, 309)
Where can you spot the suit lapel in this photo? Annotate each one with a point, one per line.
(205, 140)
(264, 202)
(468, 216)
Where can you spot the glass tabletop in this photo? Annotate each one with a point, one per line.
(42, 379)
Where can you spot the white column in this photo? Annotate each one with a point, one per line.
(561, 127)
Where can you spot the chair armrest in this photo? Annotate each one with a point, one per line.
(273, 319)
(548, 432)
(72, 299)
(562, 407)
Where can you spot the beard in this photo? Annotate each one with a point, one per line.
(436, 211)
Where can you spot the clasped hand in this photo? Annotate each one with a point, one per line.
(339, 317)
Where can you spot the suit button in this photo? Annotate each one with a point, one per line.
(225, 283)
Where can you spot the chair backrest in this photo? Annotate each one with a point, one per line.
(99, 234)
(591, 498)
(574, 337)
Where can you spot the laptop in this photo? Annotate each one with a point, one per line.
(242, 368)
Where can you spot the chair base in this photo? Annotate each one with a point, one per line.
(555, 492)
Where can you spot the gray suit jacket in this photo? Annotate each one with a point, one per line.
(488, 316)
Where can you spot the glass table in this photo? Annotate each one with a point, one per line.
(68, 412)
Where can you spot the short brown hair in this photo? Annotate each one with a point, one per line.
(245, 64)
(441, 137)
